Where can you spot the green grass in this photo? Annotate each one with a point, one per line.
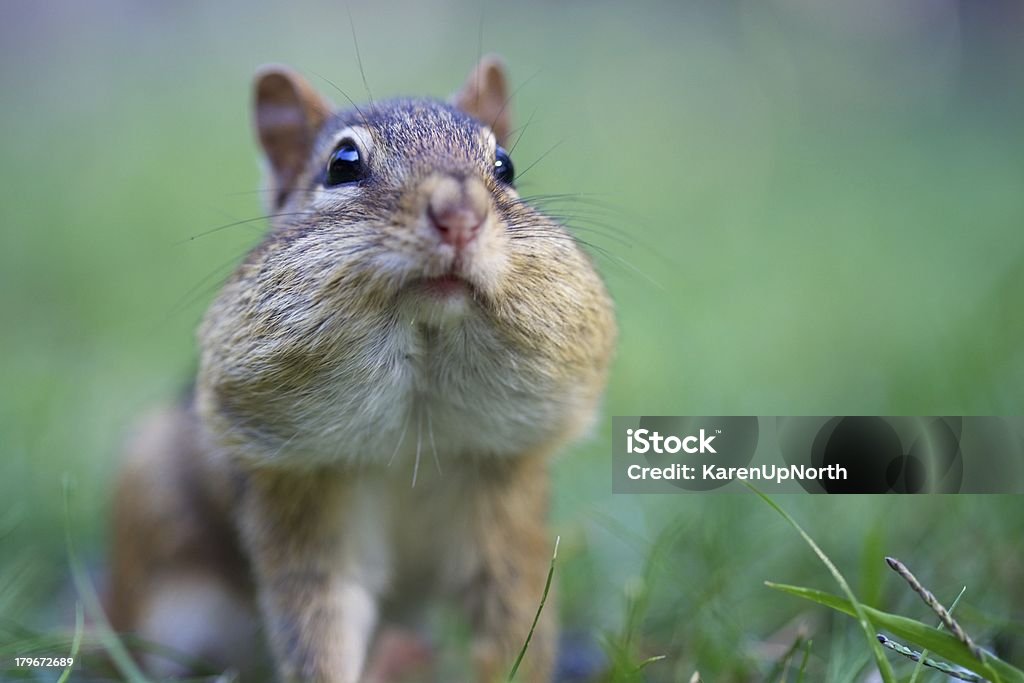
(884, 668)
(799, 210)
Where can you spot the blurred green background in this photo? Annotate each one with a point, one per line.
(800, 207)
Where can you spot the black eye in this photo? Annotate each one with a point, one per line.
(503, 169)
(344, 166)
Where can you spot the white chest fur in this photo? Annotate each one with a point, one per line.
(400, 538)
(425, 394)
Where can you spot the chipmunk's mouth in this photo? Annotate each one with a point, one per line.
(439, 300)
(444, 286)
(447, 289)
(452, 282)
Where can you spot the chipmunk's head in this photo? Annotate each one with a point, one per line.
(414, 196)
(402, 262)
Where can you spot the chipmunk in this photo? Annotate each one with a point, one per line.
(381, 386)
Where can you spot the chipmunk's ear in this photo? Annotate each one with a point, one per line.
(288, 113)
(485, 97)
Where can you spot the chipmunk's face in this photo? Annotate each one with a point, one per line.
(424, 194)
(404, 282)
(413, 199)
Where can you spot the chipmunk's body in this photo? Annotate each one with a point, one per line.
(381, 385)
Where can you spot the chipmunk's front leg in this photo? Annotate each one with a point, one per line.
(513, 555)
(318, 608)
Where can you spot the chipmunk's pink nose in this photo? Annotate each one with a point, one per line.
(457, 210)
(458, 227)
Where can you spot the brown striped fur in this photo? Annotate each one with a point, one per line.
(356, 445)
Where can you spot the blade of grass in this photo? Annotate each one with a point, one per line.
(884, 667)
(76, 642)
(87, 593)
(779, 670)
(947, 669)
(941, 643)
(540, 608)
(803, 662)
(639, 601)
(924, 652)
(623, 661)
(647, 662)
(15, 577)
(934, 605)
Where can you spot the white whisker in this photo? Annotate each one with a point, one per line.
(419, 444)
(401, 438)
(430, 433)
(283, 446)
